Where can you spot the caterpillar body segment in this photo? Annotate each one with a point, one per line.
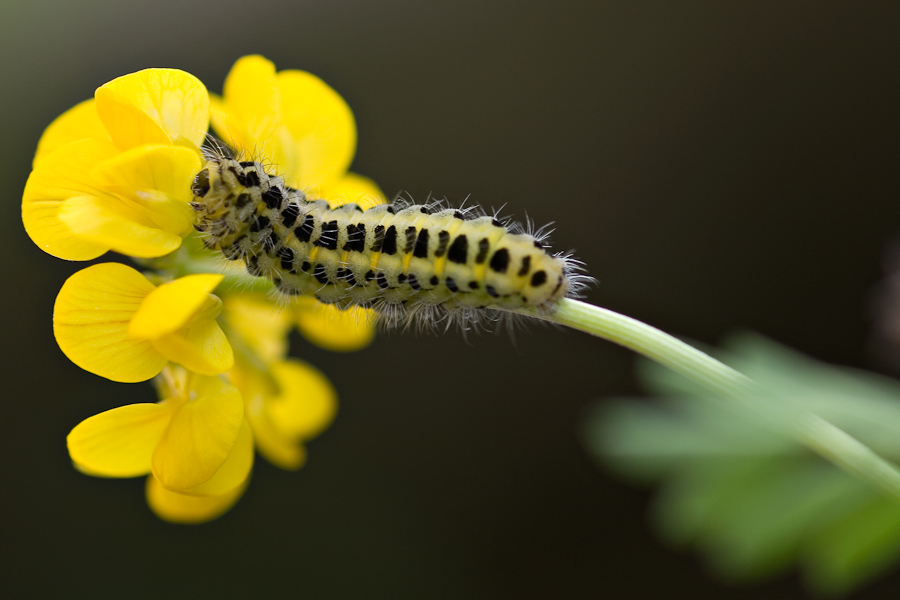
(403, 261)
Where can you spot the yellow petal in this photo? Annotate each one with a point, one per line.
(335, 329)
(53, 236)
(150, 167)
(292, 119)
(90, 322)
(260, 323)
(321, 127)
(201, 347)
(108, 222)
(157, 180)
(283, 452)
(78, 123)
(229, 128)
(71, 214)
(200, 437)
(63, 174)
(352, 188)
(186, 509)
(119, 442)
(170, 306)
(234, 471)
(127, 125)
(251, 98)
(307, 403)
(258, 388)
(154, 106)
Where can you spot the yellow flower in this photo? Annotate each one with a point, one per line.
(287, 404)
(114, 173)
(287, 401)
(292, 119)
(110, 320)
(194, 442)
(296, 122)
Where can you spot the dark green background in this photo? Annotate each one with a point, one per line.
(717, 165)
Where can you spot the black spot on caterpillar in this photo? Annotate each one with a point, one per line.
(441, 264)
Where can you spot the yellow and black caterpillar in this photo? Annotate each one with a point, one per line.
(442, 264)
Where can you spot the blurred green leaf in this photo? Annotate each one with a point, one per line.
(736, 486)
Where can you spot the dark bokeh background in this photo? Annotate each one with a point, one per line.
(717, 165)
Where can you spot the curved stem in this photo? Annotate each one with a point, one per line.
(817, 434)
(649, 341)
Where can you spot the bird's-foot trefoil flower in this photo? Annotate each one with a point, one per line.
(115, 173)
(110, 320)
(287, 403)
(194, 442)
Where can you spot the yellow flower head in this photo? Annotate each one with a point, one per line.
(287, 404)
(194, 441)
(292, 119)
(296, 122)
(114, 173)
(110, 320)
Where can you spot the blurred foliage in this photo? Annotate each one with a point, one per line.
(736, 485)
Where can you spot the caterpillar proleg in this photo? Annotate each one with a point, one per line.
(442, 264)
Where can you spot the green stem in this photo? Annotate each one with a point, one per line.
(649, 341)
(817, 434)
(848, 453)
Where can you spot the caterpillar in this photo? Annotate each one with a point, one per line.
(442, 265)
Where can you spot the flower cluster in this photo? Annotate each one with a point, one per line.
(114, 174)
